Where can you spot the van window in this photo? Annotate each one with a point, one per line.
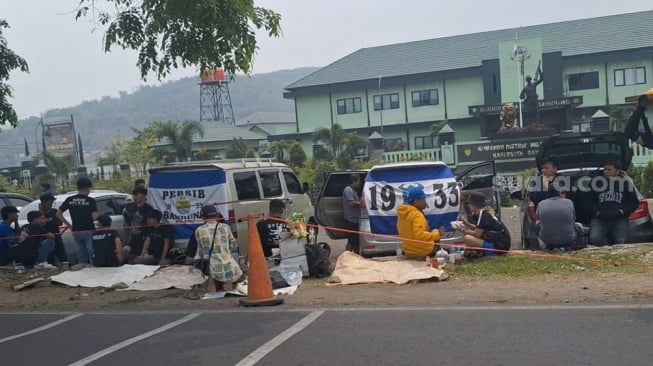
(292, 183)
(271, 183)
(246, 186)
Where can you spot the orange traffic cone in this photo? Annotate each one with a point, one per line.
(259, 286)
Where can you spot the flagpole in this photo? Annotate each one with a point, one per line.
(519, 84)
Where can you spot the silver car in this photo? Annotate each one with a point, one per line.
(108, 202)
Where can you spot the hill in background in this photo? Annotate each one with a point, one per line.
(99, 121)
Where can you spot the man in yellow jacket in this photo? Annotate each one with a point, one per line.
(418, 239)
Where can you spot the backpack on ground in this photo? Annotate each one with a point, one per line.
(317, 256)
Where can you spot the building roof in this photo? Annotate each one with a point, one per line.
(572, 38)
(216, 132)
(258, 118)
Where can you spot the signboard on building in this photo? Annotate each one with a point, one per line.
(498, 150)
(544, 104)
(59, 139)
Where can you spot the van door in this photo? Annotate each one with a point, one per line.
(328, 209)
(298, 200)
(249, 200)
(481, 178)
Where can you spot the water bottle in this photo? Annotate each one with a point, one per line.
(399, 249)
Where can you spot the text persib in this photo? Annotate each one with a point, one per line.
(194, 193)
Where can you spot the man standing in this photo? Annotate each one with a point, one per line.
(418, 239)
(351, 207)
(135, 214)
(614, 204)
(52, 224)
(83, 211)
(8, 235)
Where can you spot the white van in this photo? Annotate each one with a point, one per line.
(236, 187)
(383, 193)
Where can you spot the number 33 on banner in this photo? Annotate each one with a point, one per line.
(440, 196)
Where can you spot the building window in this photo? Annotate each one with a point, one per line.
(425, 97)
(394, 144)
(631, 76)
(582, 127)
(386, 101)
(583, 81)
(349, 105)
(423, 142)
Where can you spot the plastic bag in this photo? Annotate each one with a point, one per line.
(292, 274)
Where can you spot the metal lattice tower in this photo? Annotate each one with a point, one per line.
(215, 100)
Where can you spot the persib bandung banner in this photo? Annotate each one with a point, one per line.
(384, 191)
(180, 196)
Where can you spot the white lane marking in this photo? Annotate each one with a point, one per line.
(41, 328)
(275, 342)
(130, 341)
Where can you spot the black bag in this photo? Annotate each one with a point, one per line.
(317, 256)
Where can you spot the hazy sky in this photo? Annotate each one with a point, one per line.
(68, 66)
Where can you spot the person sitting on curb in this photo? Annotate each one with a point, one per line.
(558, 229)
(417, 238)
(613, 205)
(35, 243)
(540, 188)
(488, 233)
(8, 234)
(107, 246)
(157, 241)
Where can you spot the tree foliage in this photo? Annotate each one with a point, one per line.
(239, 149)
(297, 155)
(178, 33)
(9, 61)
(180, 136)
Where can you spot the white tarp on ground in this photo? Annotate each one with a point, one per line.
(105, 276)
(181, 277)
(136, 277)
(241, 290)
(352, 268)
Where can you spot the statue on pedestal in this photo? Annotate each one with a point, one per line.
(530, 98)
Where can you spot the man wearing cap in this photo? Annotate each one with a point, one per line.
(52, 224)
(418, 239)
(644, 138)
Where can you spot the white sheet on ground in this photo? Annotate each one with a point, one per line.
(181, 277)
(241, 290)
(105, 276)
(352, 268)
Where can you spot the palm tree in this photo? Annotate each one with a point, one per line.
(180, 136)
(59, 165)
(333, 137)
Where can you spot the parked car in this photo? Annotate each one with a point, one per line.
(244, 186)
(583, 155)
(383, 239)
(14, 199)
(108, 202)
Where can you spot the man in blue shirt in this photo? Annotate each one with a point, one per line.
(8, 235)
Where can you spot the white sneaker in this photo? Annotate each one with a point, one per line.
(45, 265)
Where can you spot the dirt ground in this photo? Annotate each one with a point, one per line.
(583, 287)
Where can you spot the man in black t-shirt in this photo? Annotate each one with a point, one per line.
(135, 214)
(83, 211)
(35, 242)
(107, 247)
(157, 241)
(270, 229)
(52, 224)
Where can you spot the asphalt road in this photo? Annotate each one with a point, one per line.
(558, 335)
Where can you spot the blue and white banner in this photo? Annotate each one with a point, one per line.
(384, 191)
(180, 196)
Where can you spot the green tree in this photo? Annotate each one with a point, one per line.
(353, 145)
(180, 136)
(279, 150)
(333, 138)
(619, 115)
(238, 149)
(297, 155)
(177, 33)
(60, 166)
(9, 61)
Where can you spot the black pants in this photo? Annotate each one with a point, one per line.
(59, 252)
(632, 131)
(352, 237)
